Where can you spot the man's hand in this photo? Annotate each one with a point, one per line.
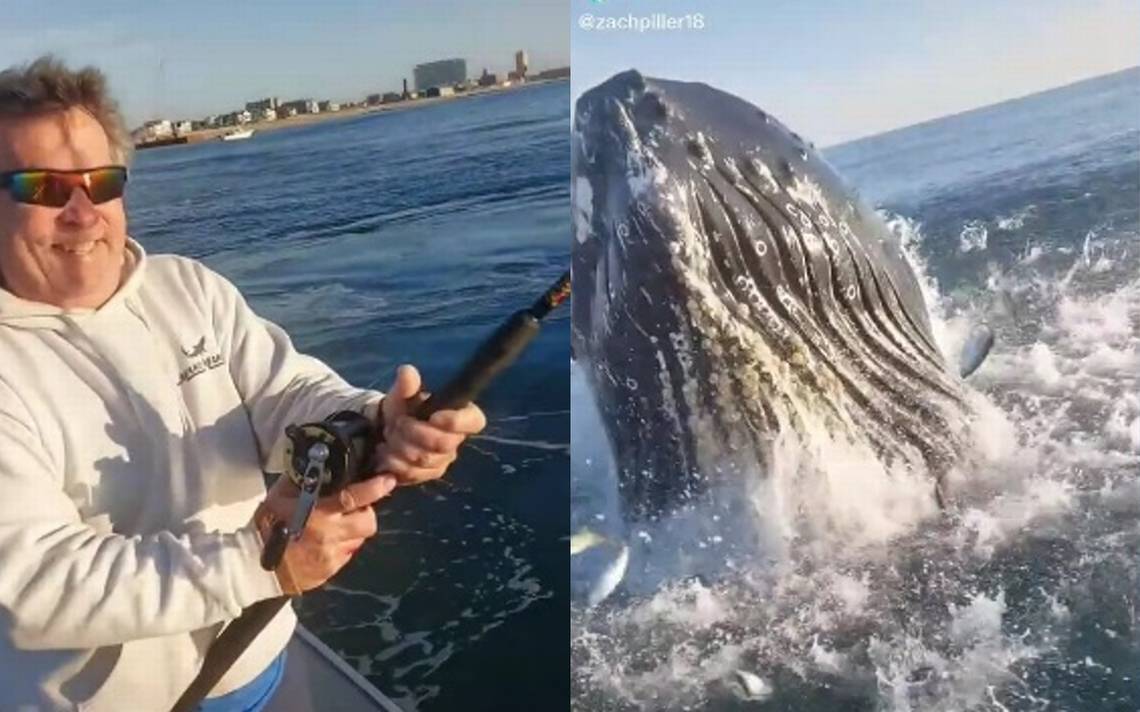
(416, 451)
(338, 526)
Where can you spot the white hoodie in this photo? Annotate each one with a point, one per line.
(132, 444)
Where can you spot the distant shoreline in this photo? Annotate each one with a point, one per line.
(194, 137)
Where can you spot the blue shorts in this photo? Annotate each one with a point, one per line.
(251, 697)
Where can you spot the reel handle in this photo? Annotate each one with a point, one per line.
(274, 549)
(348, 438)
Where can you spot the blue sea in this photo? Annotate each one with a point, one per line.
(406, 237)
(1024, 216)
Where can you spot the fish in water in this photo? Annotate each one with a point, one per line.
(583, 540)
(1007, 307)
(601, 565)
(749, 686)
(975, 349)
(728, 287)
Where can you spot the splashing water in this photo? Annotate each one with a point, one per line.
(850, 590)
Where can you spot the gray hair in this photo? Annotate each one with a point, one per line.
(46, 85)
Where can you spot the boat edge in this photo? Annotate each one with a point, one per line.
(305, 636)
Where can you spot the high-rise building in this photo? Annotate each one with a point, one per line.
(445, 72)
(520, 63)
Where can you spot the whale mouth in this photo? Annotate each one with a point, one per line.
(729, 286)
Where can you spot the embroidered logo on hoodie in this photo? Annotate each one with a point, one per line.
(196, 350)
(208, 362)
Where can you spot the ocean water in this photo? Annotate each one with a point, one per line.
(406, 237)
(1025, 595)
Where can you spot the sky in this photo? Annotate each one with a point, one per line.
(835, 70)
(191, 58)
(831, 69)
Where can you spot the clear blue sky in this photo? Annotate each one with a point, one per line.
(188, 58)
(834, 70)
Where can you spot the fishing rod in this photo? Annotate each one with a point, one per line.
(322, 458)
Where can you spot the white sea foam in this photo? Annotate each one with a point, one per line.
(802, 568)
(974, 236)
(1016, 220)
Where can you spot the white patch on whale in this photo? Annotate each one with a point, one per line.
(768, 182)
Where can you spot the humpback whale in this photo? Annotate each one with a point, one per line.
(729, 287)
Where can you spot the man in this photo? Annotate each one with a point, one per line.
(140, 400)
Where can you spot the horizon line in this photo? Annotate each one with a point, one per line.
(979, 107)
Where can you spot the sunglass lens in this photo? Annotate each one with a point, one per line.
(107, 184)
(36, 188)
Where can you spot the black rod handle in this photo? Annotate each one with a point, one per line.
(496, 353)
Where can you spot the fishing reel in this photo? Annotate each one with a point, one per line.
(323, 458)
(320, 459)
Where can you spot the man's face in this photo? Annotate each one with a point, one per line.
(70, 257)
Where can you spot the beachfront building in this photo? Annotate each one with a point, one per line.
(156, 130)
(521, 64)
(436, 92)
(300, 106)
(391, 97)
(239, 117)
(444, 73)
(257, 107)
(183, 127)
(487, 79)
(328, 106)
